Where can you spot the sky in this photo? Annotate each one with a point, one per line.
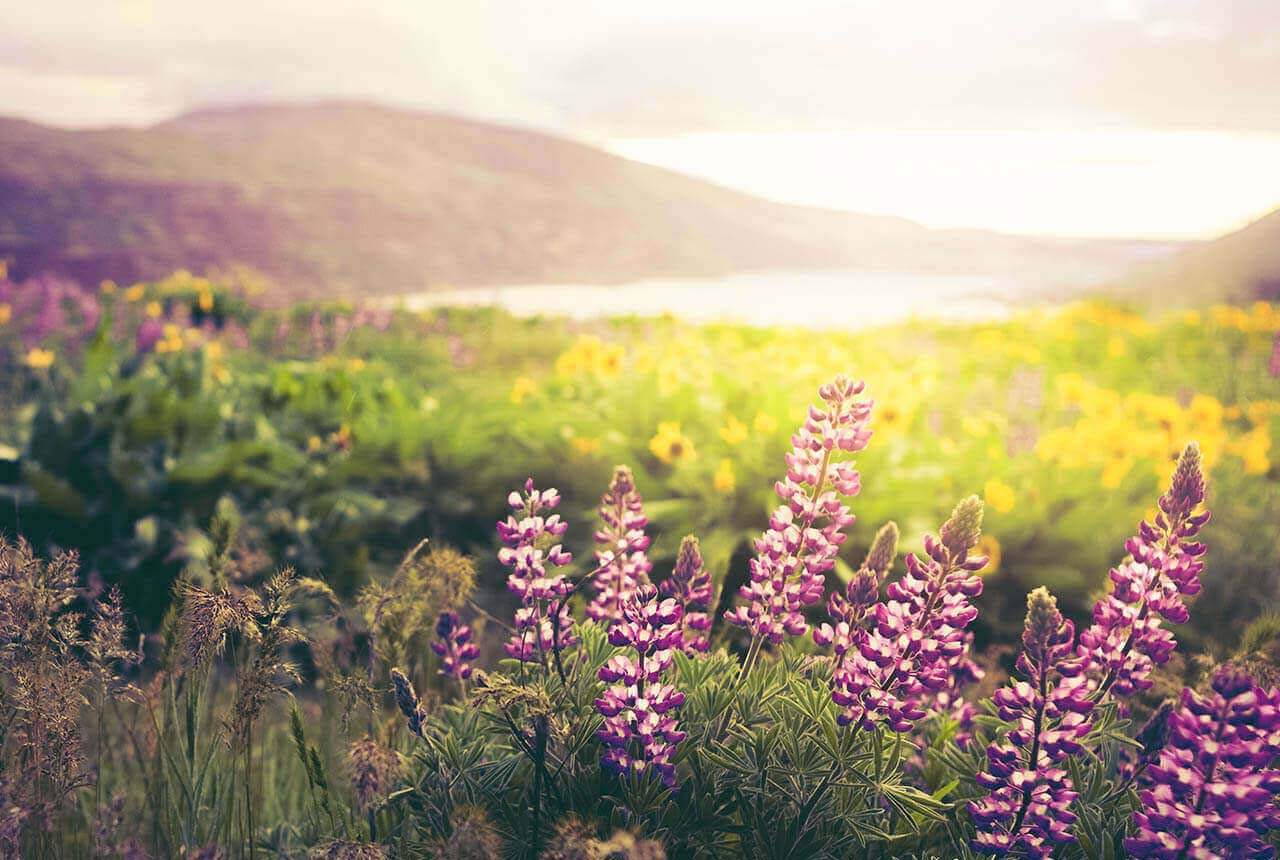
(1170, 87)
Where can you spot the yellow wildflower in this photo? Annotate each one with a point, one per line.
(107, 288)
(990, 547)
(724, 481)
(155, 310)
(765, 423)
(135, 293)
(734, 432)
(1252, 448)
(38, 358)
(522, 388)
(205, 301)
(1116, 347)
(6, 314)
(669, 444)
(585, 446)
(355, 365)
(999, 496)
(1115, 470)
(314, 444)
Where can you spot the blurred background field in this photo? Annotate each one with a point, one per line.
(342, 435)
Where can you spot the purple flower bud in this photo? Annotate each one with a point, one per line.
(690, 585)
(621, 557)
(454, 646)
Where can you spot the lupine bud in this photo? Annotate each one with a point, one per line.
(850, 611)
(454, 646)
(407, 701)
(1028, 807)
(805, 533)
(1127, 638)
(621, 557)
(690, 585)
(1211, 792)
(640, 730)
(962, 529)
(541, 623)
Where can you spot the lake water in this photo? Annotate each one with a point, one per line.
(844, 300)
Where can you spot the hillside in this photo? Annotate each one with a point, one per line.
(1240, 266)
(356, 199)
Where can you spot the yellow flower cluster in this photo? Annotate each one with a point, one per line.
(589, 355)
(1259, 317)
(670, 445)
(1115, 432)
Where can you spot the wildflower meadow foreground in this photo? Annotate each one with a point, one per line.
(630, 711)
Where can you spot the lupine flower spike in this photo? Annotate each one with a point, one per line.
(690, 586)
(851, 611)
(806, 531)
(408, 702)
(916, 637)
(529, 533)
(1127, 638)
(1028, 807)
(454, 646)
(1211, 792)
(640, 731)
(621, 558)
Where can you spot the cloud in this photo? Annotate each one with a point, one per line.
(659, 66)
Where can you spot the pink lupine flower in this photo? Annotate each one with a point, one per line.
(1028, 807)
(805, 532)
(690, 586)
(640, 730)
(1211, 792)
(454, 646)
(915, 638)
(1127, 638)
(623, 565)
(541, 625)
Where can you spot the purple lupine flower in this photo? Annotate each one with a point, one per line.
(690, 586)
(541, 624)
(913, 641)
(1028, 807)
(621, 557)
(805, 532)
(150, 331)
(454, 646)
(1127, 638)
(851, 611)
(640, 731)
(1211, 792)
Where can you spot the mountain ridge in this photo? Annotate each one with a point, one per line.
(342, 198)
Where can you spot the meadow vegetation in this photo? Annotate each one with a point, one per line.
(254, 603)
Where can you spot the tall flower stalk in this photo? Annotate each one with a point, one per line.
(532, 552)
(852, 610)
(690, 586)
(621, 558)
(806, 531)
(913, 640)
(1211, 792)
(1030, 794)
(640, 731)
(1127, 638)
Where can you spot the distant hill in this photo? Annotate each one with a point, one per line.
(357, 199)
(1240, 266)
